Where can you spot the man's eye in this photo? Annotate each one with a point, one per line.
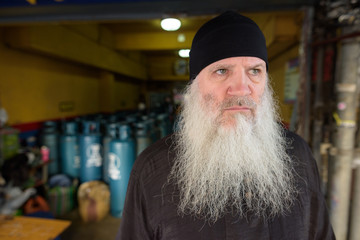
(221, 71)
(255, 71)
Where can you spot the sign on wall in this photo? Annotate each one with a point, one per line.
(292, 79)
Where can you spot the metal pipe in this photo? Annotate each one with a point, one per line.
(355, 203)
(303, 98)
(355, 208)
(317, 110)
(336, 39)
(345, 116)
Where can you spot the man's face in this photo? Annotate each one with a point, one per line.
(233, 86)
(231, 153)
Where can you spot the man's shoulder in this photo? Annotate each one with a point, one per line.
(295, 142)
(154, 159)
(303, 160)
(299, 150)
(292, 136)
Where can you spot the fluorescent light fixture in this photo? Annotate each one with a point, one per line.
(170, 24)
(184, 53)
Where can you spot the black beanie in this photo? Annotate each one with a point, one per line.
(225, 36)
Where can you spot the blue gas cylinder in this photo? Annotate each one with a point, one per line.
(169, 122)
(154, 131)
(110, 134)
(69, 149)
(143, 139)
(131, 119)
(162, 125)
(90, 152)
(121, 159)
(50, 138)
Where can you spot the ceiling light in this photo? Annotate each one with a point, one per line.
(184, 53)
(181, 38)
(170, 24)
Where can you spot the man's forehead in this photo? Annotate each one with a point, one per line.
(243, 60)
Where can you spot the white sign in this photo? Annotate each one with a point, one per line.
(114, 167)
(93, 156)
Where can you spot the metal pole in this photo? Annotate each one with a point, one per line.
(317, 110)
(305, 78)
(355, 208)
(355, 203)
(345, 116)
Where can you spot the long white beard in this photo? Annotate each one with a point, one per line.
(241, 169)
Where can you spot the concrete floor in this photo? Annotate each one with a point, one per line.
(106, 229)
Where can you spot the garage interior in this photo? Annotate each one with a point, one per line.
(67, 60)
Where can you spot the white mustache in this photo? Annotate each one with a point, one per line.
(238, 101)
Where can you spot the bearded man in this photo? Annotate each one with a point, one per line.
(230, 171)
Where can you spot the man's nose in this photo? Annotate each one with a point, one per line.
(239, 85)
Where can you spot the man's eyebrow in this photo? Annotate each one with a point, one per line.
(257, 65)
(221, 66)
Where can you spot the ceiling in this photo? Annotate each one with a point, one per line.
(135, 24)
(281, 28)
(14, 11)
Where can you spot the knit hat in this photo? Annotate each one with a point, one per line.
(225, 36)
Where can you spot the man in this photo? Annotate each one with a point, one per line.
(231, 171)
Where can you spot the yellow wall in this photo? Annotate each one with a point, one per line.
(277, 75)
(32, 87)
(117, 95)
(126, 95)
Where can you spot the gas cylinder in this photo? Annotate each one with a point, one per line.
(154, 131)
(90, 152)
(110, 134)
(121, 159)
(69, 149)
(143, 139)
(131, 120)
(163, 128)
(50, 138)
